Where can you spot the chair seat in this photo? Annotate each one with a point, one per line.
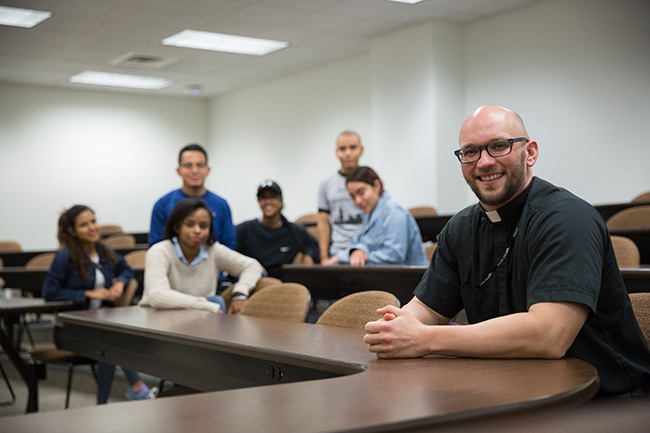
(50, 353)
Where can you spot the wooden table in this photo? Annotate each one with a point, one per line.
(295, 378)
(11, 310)
(31, 280)
(20, 258)
(334, 282)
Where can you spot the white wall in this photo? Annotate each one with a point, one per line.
(115, 153)
(286, 130)
(578, 72)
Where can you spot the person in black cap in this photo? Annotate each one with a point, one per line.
(272, 240)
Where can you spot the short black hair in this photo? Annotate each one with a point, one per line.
(192, 146)
(182, 209)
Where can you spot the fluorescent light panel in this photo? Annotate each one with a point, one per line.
(18, 17)
(120, 80)
(411, 2)
(225, 43)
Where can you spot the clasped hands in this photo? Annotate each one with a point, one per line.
(398, 334)
(111, 294)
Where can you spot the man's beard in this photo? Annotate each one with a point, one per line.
(514, 183)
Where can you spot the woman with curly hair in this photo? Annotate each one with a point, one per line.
(91, 274)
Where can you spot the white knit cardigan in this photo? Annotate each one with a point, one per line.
(170, 283)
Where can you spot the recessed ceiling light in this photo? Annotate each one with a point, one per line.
(18, 17)
(225, 43)
(120, 80)
(411, 2)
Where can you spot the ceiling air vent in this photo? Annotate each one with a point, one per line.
(143, 61)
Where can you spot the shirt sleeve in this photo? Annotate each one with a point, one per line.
(54, 286)
(309, 243)
(246, 269)
(157, 225)
(323, 205)
(566, 248)
(123, 271)
(228, 233)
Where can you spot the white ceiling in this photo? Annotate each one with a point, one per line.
(90, 34)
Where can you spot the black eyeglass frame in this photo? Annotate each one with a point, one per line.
(511, 141)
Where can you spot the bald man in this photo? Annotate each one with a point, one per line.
(531, 264)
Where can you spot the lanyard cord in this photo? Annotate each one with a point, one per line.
(503, 257)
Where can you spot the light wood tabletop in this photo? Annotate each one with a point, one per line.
(288, 377)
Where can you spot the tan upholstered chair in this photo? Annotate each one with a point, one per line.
(1, 263)
(632, 217)
(41, 261)
(135, 258)
(429, 249)
(10, 247)
(357, 309)
(642, 197)
(110, 229)
(120, 240)
(309, 220)
(423, 211)
(285, 301)
(626, 251)
(641, 306)
(261, 284)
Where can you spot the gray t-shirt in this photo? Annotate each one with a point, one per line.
(345, 218)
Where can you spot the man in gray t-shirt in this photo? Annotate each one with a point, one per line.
(339, 220)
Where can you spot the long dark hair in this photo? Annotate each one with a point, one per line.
(366, 175)
(182, 209)
(68, 238)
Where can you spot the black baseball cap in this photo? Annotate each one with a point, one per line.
(269, 184)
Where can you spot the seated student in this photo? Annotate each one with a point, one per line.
(272, 240)
(389, 233)
(182, 270)
(91, 274)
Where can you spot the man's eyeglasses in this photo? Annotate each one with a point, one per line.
(496, 149)
(189, 165)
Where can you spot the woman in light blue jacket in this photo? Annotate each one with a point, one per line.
(389, 234)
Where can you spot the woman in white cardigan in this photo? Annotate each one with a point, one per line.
(182, 271)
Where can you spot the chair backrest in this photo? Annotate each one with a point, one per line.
(429, 249)
(423, 211)
(641, 306)
(632, 217)
(10, 247)
(41, 261)
(120, 240)
(310, 218)
(261, 284)
(626, 252)
(357, 309)
(642, 197)
(110, 229)
(285, 301)
(127, 295)
(1, 263)
(135, 258)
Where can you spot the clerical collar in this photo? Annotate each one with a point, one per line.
(512, 210)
